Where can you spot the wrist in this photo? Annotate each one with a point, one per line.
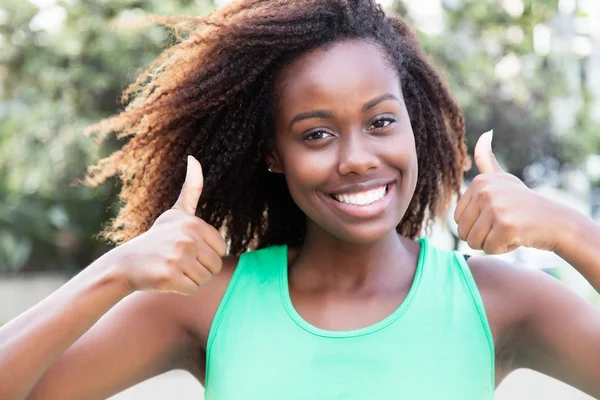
(572, 229)
(111, 270)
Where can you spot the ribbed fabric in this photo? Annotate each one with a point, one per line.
(436, 345)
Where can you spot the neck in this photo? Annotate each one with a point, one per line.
(329, 263)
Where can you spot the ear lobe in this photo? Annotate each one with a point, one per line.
(272, 159)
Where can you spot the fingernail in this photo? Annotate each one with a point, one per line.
(189, 162)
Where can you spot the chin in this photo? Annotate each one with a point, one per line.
(351, 229)
(361, 234)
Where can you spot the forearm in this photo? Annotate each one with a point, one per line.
(579, 245)
(30, 343)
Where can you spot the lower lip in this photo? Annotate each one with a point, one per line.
(367, 211)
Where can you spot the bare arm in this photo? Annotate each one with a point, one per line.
(553, 330)
(59, 320)
(561, 334)
(548, 328)
(144, 335)
(50, 351)
(579, 245)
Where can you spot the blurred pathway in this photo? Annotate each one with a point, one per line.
(521, 385)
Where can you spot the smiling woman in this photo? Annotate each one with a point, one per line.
(326, 142)
(225, 95)
(350, 162)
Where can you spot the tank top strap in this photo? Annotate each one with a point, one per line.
(448, 286)
(255, 280)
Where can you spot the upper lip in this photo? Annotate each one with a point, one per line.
(361, 186)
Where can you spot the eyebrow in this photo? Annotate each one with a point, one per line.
(372, 103)
(326, 114)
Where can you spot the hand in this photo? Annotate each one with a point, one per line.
(498, 213)
(180, 252)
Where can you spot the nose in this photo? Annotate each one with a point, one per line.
(356, 155)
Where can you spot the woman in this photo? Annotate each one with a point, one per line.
(325, 140)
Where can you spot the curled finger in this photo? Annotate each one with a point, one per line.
(198, 273)
(467, 220)
(479, 231)
(185, 285)
(207, 256)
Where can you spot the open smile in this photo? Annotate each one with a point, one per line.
(363, 204)
(362, 198)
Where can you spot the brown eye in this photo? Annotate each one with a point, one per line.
(382, 122)
(316, 135)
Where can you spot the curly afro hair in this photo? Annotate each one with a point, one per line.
(211, 95)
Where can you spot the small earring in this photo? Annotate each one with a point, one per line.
(270, 168)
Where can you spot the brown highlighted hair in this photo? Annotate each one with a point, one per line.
(211, 96)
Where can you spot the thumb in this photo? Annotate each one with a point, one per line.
(484, 157)
(192, 187)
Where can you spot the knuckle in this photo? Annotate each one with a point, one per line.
(204, 276)
(487, 247)
(486, 194)
(509, 227)
(216, 264)
(499, 215)
(479, 180)
(457, 213)
(192, 223)
(164, 278)
(207, 278)
(223, 248)
(474, 240)
(471, 242)
(171, 262)
(496, 213)
(184, 244)
(461, 232)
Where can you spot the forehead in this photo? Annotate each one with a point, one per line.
(350, 70)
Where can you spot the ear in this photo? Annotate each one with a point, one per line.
(272, 158)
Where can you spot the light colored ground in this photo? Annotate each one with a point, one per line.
(530, 385)
(521, 385)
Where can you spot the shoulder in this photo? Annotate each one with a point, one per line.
(512, 292)
(200, 308)
(507, 303)
(523, 306)
(196, 312)
(503, 286)
(545, 326)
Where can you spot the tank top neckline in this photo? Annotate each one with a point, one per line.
(377, 326)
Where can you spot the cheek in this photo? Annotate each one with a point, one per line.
(411, 167)
(402, 155)
(400, 151)
(305, 171)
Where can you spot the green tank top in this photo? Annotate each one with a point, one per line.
(436, 345)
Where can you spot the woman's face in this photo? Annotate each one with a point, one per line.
(344, 141)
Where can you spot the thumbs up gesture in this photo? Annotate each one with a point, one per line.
(180, 252)
(498, 213)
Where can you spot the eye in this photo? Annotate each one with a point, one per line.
(382, 122)
(316, 135)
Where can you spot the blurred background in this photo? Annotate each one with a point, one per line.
(529, 69)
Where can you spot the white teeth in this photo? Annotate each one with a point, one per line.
(362, 198)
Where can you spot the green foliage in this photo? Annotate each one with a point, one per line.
(63, 67)
(489, 60)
